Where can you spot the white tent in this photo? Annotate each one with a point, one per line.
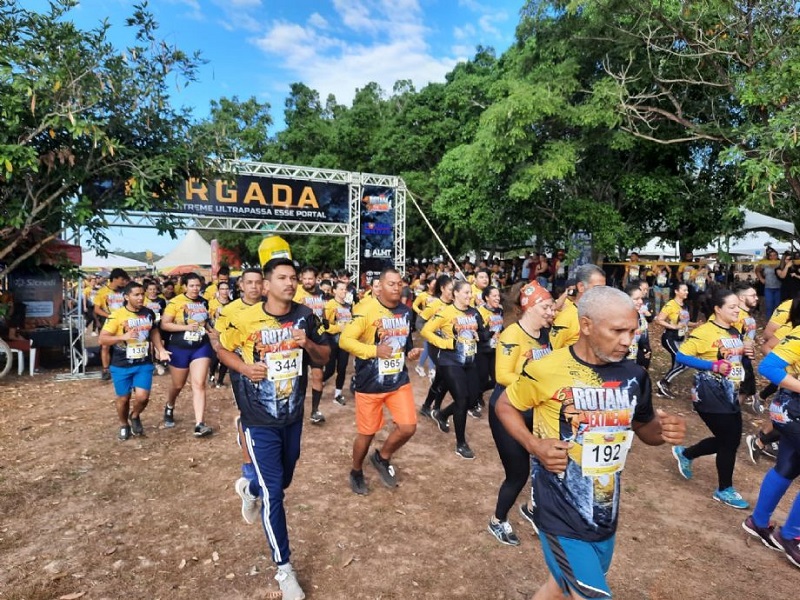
(90, 260)
(191, 250)
(754, 221)
(751, 243)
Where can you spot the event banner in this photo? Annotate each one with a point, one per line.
(41, 292)
(377, 230)
(253, 197)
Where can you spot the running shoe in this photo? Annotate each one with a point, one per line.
(528, 514)
(431, 374)
(384, 469)
(762, 533)
(250, 508)
(105, 376)
(420, 371)
(789, 546)
(136, 426)
(425, 411)
(770, 450)
(202, 430)
(684, 464)
(287, 580)
(475, 413)
(339, 399)
(753, 449)
(731, 497)
(124, 433)
(160, 369)
(357, 483)
(503, 532)
(442, 423)
(464, 451)
(169, 416)
(663, 390)
(756, 405)
(317, 417)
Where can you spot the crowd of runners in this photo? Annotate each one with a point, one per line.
(556, 359)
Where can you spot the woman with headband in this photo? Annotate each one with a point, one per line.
(527, 339)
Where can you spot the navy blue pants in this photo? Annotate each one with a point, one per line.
(274, 452)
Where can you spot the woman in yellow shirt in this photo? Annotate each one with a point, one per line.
(421, 302)
(443, 296)
(674, 318)
(527, 339)
(716, 349)
(456, 331)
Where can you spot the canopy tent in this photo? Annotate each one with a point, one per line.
(754, 221)
(752, 243)
(757, 233)
(191, 250)
(91, 260)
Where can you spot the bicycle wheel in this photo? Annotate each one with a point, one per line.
(5, 358)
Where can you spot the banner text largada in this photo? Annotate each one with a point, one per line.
(268, 198)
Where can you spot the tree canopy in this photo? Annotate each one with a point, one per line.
(621, 119)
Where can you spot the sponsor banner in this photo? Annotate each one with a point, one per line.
(42, 294)
(252, 197)
(377, 230)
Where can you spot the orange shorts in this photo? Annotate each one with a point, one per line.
(369, 409)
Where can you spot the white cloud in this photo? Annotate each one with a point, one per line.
(486, 22)
(464, 33)
(318, 21)
(373, 40)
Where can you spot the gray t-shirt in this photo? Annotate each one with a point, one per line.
(770, 279)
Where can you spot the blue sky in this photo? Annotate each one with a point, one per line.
(259, 47)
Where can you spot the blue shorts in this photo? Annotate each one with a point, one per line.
(181, 357)
(579, 566)
(127, 378)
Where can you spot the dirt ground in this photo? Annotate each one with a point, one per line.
(85, 516)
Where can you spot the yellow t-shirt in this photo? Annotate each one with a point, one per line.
(121, 322)
(516, 347)
(780, 315)
(566, 327)
(312, 301)
(109, 300)
(183, 310)
(337, 315)
(593, 407)
(675, 314)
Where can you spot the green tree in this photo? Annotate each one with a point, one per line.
(237, 130)
(86, 128)
(718, 73)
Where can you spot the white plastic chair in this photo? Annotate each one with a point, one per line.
(21, 360)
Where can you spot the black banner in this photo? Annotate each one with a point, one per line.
(377, 230)
(268, 198)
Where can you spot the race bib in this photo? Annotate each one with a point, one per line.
(392, 365)
(605, 453)
(193, 336)
(136, 350)
(737, 372)
(284, 365)
(469, 347)
(661, 280)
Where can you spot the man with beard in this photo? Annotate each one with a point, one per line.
(309, 294)
(587, 402)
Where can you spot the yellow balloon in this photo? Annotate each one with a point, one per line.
(273, 247)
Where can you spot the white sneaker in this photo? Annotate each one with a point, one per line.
(420, 371)
(287, 580)
(250, 509)
(432, 374)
